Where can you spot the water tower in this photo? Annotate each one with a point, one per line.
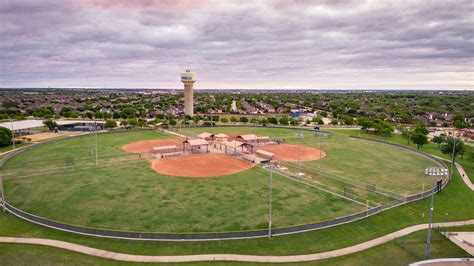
(188, 78)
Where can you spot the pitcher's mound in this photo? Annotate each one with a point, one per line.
(289, 152)
(201, 165)
(144, 146)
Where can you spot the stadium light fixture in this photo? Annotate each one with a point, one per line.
(432, 171)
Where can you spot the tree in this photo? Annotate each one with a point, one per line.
(284, 120)
(133, 122)
(116, 115)
(421, 128)
(196, 119)
(438, 140)
(6, 136)
(419, 139)
(460, 124)
(172, 122)
(110, 124)
(406, 133)
(364, 122)
(98, 115)
(324, 114)
(233, 119)
(273, 120)
(129, 112)
(254, 120)
(50, 124)
(348, 120)
(243, 119)
(66, 112)
(447, 147)
(89, 115)
(264, 121)
(294, 122)
(224, 120)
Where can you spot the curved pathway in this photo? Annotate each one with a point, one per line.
(461, 171)
(228, 257)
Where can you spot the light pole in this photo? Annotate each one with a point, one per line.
(3, 194)
(96, 149)
(13, 134)
(432, 171)
(320, 151)
(270, 204)
(300, 137)
(452, 160)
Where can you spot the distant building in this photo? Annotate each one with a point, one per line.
(188, 78)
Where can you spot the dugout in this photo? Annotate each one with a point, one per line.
(194, 145)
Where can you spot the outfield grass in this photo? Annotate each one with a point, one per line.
(361, 160)
(263, 131)
(456, 200)
(10, 147)
(432, 148)
(134, 197)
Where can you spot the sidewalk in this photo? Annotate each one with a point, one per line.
(461, 171)
(228, 257)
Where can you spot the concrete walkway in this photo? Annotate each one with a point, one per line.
(464, 176)
(461, 171)
(464, 240)
(228, 257)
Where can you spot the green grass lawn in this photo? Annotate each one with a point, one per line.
(10, 147)
(263, 131)
(432, 148)
(134, 197)
(456, 200)
(360, 160)
(401, 252)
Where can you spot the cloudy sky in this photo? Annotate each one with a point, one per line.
(237, 44)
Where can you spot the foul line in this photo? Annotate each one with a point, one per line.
(228, 257)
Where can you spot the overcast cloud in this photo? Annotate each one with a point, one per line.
(237, 44)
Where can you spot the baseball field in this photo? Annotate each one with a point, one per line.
(129, 190)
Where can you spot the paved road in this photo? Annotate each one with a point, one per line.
(228, 257)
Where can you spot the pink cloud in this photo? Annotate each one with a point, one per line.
(143, 4)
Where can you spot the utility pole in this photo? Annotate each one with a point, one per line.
(270, 205)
